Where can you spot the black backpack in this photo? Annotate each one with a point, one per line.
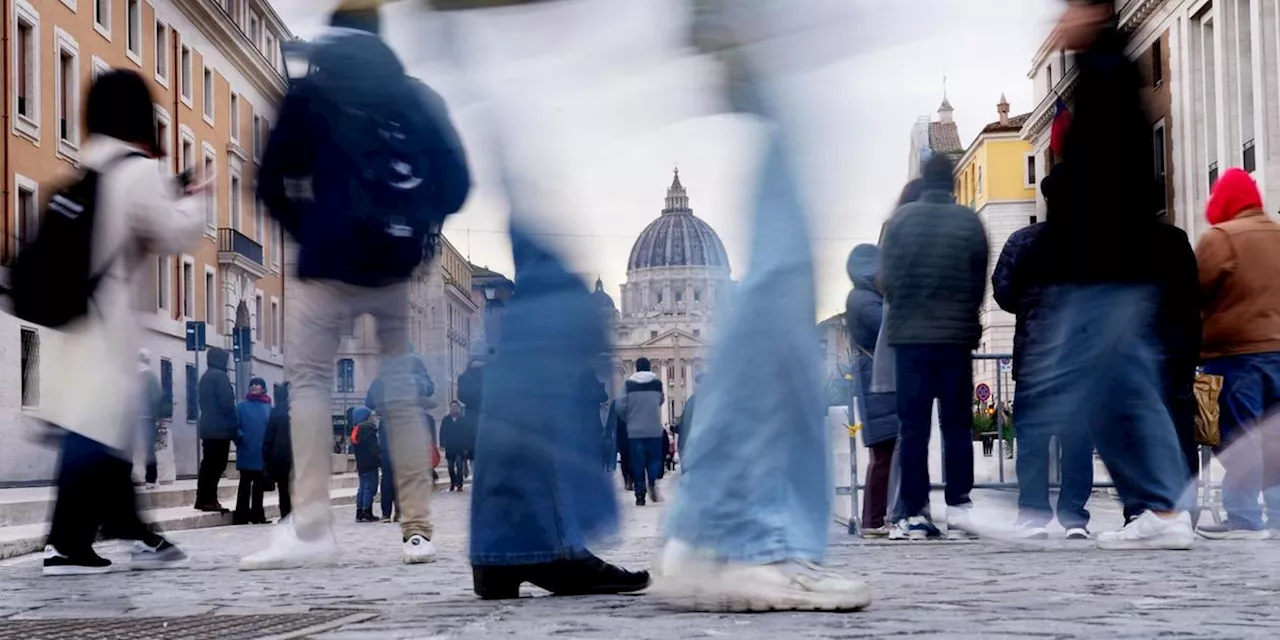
(53, 283)
(373, 175)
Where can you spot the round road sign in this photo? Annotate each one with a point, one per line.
(983, 392)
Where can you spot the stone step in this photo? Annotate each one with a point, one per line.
(34, 505)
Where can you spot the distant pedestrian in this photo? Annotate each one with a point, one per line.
(217, 428)
(277, 449)
(365, 440)
(457, 444)
(254, 412)
(934, 270)
(864, 312)
(641, 405)
(1240, 285)
(154, 409)
(686, 418)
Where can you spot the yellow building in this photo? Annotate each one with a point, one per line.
(997, 177)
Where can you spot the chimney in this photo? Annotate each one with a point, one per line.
(1003, 109)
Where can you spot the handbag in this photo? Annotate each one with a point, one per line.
(1208, 388)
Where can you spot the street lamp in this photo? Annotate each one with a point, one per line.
(490, 293)
(297, 58)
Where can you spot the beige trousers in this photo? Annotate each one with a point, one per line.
(313, 326)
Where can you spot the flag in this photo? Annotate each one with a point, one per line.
(1061, 122)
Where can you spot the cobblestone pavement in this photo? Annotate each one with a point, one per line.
(988, 589)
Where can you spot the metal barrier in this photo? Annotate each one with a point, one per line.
(1207, 492)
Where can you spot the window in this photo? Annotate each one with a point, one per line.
(30, 368)
(275, 324)
(100, 67)
(1157, 63)
(679, 297)
(259, 222)
(210, 195)
(102, 17)
(27, 70)
(979, 185)
(1033, 220)
(27, 198)
(166, 379)
(1032, 176)
(164, 283)
(1249, 161)
(277, 239)
(259, 318)
(185, 72)
(697, 333)
(653, 334)
(1213, 174)
(68, 92)
(1062, 61)
(257, 137)
(235, 118)
(211, 298)
(193, 396)
(164, 135)
(346, 375)
(1049, 76)
(187, 153)
(208, 95)
(188, 288)
(162, 53)
(697, 295)
(133, 29)
(234, 194)
(255, 30)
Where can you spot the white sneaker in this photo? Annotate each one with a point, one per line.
(876, 532)
(1078, 533)
(1149, 531)
(288, 551)
(898, 530)
(960, 524)
(418, 550)
(688, 582)
(1029, 530)
(151, 486)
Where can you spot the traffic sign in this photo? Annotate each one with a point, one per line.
(983, 392)
(1006, 364)
(195, 336)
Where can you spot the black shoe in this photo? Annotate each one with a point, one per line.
(212, 507)
(585, 577)
(240, 519)
(88, 563)
(639, 501)
(628, 485)
(161, 556)
(653, 492)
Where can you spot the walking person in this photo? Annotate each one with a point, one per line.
(154, 410)
(277, 449)
(1018, 291)
(365, 441)
(375, 400)
(456, 446)
(139, 211)
(641, 408)
(864, 312)
(217, 428)
(1239, 260)
(361, 170)
(254, 412)
(1102, 345)
(934, 271)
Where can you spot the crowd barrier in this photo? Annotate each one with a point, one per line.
(991, 472)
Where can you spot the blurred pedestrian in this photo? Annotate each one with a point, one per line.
(641, 408)
(864, 311)
(1239, 262)
(139, 212)
(375, 399)
(154, 409)
(365, 200)
(217, 428)
(934, 273)
(365, 440)
(277, 449)
(686, 417)
(253, 412)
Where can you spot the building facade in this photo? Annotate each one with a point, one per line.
(998, 178)
(931, 137)
(216, 74)
(677, 280)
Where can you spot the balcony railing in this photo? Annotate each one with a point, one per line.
(234, 242)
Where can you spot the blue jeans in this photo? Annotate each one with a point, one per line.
(646, 462)
(368, 488)
(1251, 457)
(1034, 454)
(1097, 377)
(924, 373)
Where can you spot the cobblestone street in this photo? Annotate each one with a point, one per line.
(987, 589)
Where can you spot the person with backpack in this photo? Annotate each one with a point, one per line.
(277, 449)
(104, 227)
(361, 170)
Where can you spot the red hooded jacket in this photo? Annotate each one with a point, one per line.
(1233, 194)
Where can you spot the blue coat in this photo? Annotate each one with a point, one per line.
(253, 415)
(863, 313)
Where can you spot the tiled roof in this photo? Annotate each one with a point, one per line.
(1015, 124)
(944, 137)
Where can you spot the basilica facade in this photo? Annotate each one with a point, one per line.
(677, 281)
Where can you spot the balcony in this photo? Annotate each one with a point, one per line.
(240, 251)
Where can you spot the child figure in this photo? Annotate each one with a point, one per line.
(364, 438)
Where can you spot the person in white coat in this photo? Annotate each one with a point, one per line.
(140, 211)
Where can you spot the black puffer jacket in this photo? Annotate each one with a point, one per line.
(1017, 290)
(277, 444)
(218, 418)
(934, 272)
(863, 313)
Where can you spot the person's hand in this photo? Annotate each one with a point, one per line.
(202, 186)
(1080, 24)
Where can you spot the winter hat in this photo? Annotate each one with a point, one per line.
(1233, 194)
(939, 174)
(361, 15)
(361, 414)
(258, 382)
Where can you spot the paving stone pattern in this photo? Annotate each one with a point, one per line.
(987, 589)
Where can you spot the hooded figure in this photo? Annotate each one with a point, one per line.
(277, 448)
(218, 419)
(863, 312)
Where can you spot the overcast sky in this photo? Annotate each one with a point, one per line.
(604, 102)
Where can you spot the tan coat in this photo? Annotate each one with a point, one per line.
(1239, 263)
(90, 382)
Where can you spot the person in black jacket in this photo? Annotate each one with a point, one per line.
(365, 439)
(457, 444)
(277, 448)
(934, 272)
(1101, 256)
(217, 427)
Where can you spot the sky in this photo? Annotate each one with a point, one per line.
(596, 101)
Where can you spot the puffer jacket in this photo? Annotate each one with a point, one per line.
(934, 272)
(863, 312)
(218, 417)
(1016, 290)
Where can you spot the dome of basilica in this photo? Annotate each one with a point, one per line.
(678, 238)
